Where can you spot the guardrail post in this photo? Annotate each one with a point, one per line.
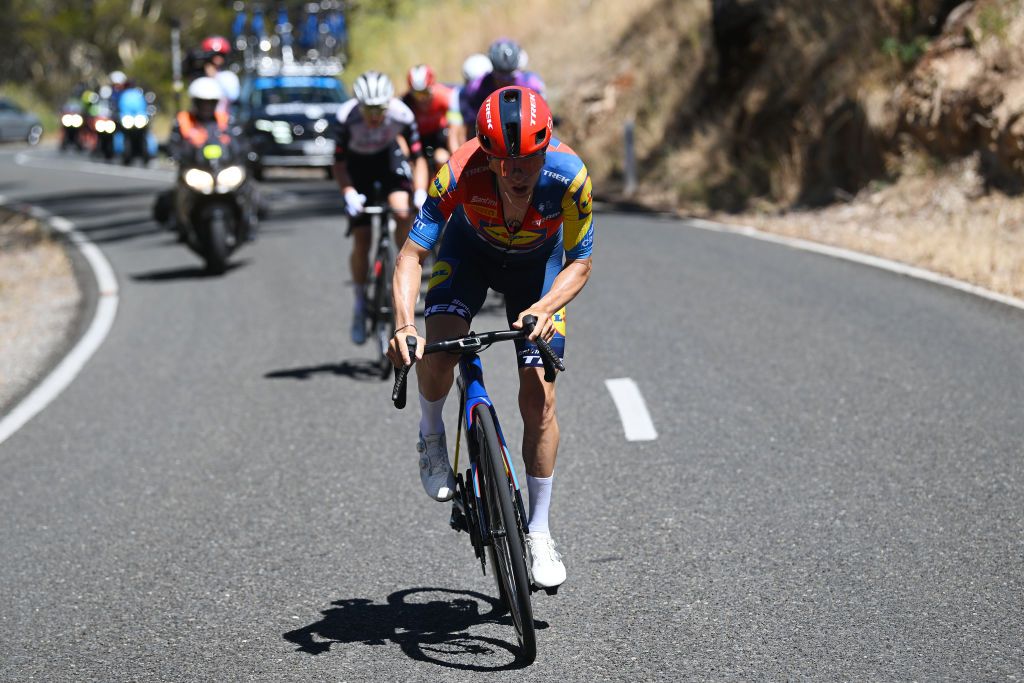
(629, 165)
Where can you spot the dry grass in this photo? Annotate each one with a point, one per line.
(935, 220)
(38, 301)
(563, 39)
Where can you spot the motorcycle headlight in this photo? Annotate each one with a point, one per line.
(76, 121)
(105, 126)
(264, 125)
(128, 121)
(230, 178)
(65, 120)
(198, 180)
(141, 120)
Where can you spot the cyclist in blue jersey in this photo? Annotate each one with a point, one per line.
(517, 203)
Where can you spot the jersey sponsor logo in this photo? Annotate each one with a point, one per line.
(454, 308)
(442, 182)
(477, 170)
(586, 197)
(501, 235)
(559, 321)
(558, 176)
(477, 199)
(441, 274)
(486, 211)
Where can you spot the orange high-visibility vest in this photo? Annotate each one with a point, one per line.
(197, 134)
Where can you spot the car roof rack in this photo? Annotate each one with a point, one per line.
(270, 66)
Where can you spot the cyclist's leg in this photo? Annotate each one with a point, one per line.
(400, 205)
(455, 294)
(524, 287)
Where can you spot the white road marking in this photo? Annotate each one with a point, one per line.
(857, 257)
(636, 421)
(26, 159)
(72, 364)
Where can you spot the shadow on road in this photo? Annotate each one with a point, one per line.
(428, 624)
(360, 370)
(184, 273)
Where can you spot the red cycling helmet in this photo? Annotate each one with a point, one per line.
(218, 44)
(514, 122)
(421, 77)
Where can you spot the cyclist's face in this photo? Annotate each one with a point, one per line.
(517, 176)
(374, 115)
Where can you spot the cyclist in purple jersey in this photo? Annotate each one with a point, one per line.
(505, 58)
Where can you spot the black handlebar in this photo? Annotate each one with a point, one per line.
(472, 343)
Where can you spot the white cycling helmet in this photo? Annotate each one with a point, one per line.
(373, 89)
(205, 88)
(118, 78)
(475, 66)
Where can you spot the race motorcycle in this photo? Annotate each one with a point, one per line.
(104, 128)
(215, 202)
(136, 140)
(71, 122)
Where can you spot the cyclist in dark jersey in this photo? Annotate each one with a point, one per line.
(376, 135)
(518, 208)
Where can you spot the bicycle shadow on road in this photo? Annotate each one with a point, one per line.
(428, 624)
(359, 370)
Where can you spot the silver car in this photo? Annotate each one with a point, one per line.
(17, 124)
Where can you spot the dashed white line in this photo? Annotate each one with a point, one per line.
(636, 421)
(103, 319)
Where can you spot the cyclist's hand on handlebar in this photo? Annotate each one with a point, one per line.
(354, 202)
(545, 328)
(398, 348)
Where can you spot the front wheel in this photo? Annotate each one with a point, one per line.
(381, 315)
(215, 243)
(506, 533)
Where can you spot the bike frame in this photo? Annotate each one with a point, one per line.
(473, 393)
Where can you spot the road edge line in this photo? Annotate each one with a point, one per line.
(67, 369)
(897, 267)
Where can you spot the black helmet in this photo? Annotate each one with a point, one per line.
(504, 55)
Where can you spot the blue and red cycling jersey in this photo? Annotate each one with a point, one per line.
(464, 195)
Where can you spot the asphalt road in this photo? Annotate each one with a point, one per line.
(224, 494)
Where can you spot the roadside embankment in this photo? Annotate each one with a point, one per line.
(39, 300)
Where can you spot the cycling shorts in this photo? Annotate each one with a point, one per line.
(390, 168)
(464, 272)
(436, 140)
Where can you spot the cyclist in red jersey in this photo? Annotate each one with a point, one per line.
(517, 204)
(436, 107)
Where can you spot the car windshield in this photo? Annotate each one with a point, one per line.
(316, 90)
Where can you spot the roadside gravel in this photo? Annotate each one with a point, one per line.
(39, 302)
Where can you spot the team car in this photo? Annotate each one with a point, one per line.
(287, 116)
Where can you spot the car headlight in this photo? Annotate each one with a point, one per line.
(128, 121)
(264, 125)
(230, 178)
(141, 120)
(199, 180)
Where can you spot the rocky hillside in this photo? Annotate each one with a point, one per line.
(802, 102)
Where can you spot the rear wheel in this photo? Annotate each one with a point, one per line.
(508, 552)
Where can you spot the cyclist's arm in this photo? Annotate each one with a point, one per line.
(454, 122)
(341, 175)
(568, 283)
(578, 240)
(406, 288)
(411, 134)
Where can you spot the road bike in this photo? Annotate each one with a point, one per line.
(488, 504)
(379, 318)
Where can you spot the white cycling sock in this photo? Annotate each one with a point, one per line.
(431, 418)
(360, 294)
(540, 500)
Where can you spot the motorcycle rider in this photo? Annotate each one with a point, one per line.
(216, 50)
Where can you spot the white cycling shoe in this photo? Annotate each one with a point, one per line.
(435, 471)
(546, 562)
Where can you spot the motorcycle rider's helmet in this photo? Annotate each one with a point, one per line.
(514, 122)
(504, 55)
(373, 89)
(421, 77)
(475, 66)
(217, 45)
(206, 93)
(117, 79)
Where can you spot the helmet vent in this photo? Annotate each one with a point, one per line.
(512, 138)
(539, 137)
(510, 96)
